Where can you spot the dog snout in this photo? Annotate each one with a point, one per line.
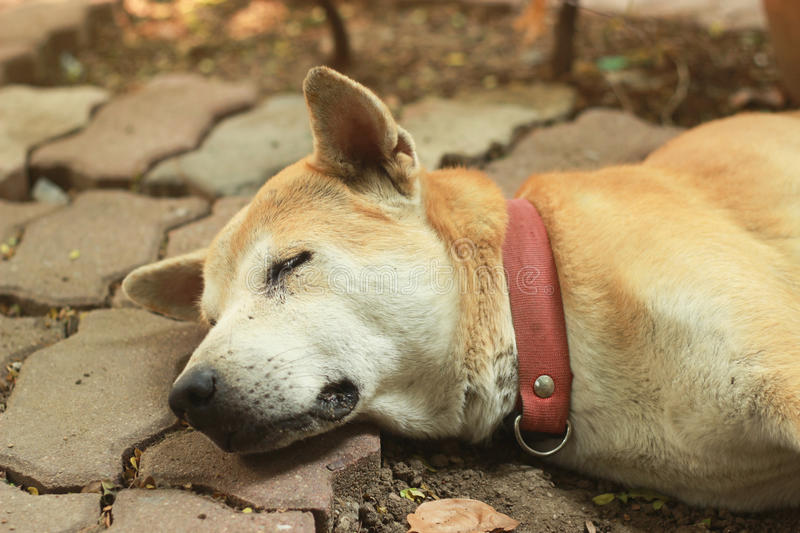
(192, 394)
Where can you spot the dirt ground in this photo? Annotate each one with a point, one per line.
(541, 497)
(664, 71)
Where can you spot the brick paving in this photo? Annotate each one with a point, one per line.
(241, 153)
(79, 405)
(299, 477)
(597, 138)
(63, 258)
(34, 34)
(170, 115)
(178, 510)
(30, 116)
(21, 336)
(468, 128)
(21, 512)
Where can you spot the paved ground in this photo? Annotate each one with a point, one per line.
(85, 374)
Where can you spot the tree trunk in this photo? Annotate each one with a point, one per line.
(564, 53)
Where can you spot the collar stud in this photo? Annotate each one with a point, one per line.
(544, 386)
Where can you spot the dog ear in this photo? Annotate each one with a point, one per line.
(355, 132)
(172, 287)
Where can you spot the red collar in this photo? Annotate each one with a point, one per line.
(538, 316)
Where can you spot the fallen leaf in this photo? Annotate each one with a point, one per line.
(247, 510)
(412, 493)
(612, 63)
(467, 516)
(658, 504)
(455, 59)
(74, 254)
(603, 499)
(589, 527)
(33, 490)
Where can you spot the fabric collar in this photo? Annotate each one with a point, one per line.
(537, 312)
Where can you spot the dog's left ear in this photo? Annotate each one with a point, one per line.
(354, 132)
(172, 287)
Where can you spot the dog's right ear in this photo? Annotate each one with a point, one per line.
(172, 287)
(354, 131)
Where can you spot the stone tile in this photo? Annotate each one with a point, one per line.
(467, 128)
(178, 510)
(72, 256)
(170, 115)
(28, 117)
(732, 14)
(303, 476)
(21, 336)
(80, 404)
(200, 233)
(33, 35)
(598, 138)
(241, 153)
(14, 216)
(21, 512)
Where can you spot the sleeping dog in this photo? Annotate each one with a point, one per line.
(639, 323)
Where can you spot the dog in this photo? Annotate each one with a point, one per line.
(354, 285)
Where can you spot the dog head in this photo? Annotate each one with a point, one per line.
(327, 296)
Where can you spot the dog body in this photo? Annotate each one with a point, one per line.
(357, 285)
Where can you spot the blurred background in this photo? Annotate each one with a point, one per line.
(681, 62)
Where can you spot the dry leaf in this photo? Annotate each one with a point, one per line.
(589, 527)
(457, 515)
(531, 21)
(33, 490)
(603, 499)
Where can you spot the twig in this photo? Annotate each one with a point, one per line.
(681, 90)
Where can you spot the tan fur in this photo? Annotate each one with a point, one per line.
(680, 279)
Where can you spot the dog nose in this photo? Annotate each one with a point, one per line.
(192, 392)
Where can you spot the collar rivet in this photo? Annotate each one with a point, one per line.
(544, 386)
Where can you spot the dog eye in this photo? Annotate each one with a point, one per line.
(282, 268)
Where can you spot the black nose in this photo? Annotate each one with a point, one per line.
(192, 393)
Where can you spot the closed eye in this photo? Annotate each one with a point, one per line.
(280, 269)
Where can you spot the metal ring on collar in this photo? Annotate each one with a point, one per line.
(537, 453)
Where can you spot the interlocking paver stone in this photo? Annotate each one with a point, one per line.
(22, 513)
(177, 510)
(723, 13)
(598, 138)
(170, 115)
(300, 477)
(33, 34)
(241, 153)
(21, 336)
(30, 116)
(80, 404)
(72, 256)
(14, 216)
(467, 128)
(199, 234)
